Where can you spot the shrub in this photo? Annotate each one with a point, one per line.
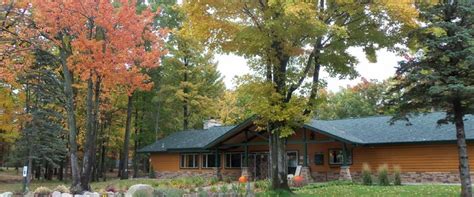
(62, 189)
(43, 191)
(263, 185)
(234, 188)
(366, 174)
(152, 174)
(397, 180)
(213, 180)
(382, 173)
(224, 188)
(213, 189)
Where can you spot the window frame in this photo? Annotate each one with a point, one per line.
(196, 160)
(342, 163)
(315, 160)
(297, 158)
(233, 153)
(207, 155)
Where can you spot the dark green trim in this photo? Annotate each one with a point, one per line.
(416, 142)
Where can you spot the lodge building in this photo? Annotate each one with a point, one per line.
(321, 150)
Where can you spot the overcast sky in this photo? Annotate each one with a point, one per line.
(232, 65)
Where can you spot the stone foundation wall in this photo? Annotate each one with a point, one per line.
(407, 177)
(201, 173)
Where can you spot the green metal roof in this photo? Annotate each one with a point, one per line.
(191, 139)
(364, 131)
(378, 130)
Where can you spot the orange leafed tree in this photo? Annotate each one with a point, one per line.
(100, 45)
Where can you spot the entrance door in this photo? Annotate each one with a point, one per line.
(252, 165)
(292, 158)
(262, 166)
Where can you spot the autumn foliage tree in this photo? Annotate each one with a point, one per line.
(100, 45)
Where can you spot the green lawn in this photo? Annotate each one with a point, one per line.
(344, 189)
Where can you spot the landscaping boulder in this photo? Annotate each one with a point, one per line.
(140, 188)
(56, 194)
(66, 195)
(6, 194)
(91, 194)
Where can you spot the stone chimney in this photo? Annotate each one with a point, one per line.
(211, 123)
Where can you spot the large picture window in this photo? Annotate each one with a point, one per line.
(209, 160)
(189, 161)
(233, 160)
(336, 157)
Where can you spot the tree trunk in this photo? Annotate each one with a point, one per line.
(279, 171)
(135, 146)
(102, 161)
(464, 170)
(124, 170)
(89, 143)
(185, 102)
(61, 171)
(71, 122)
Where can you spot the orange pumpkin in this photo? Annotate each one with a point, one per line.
(298, 179)
(243, 179)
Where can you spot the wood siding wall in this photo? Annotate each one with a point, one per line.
(410, 157)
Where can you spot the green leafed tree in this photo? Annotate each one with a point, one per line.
(287, 43)
(188, 85)
(364, 99)
(441, 75)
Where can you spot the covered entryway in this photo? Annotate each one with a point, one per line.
(259, 165)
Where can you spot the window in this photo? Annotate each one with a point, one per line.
(189, 161)
(319, 158)
(336, 157)
(209, 160)
(233, 160)
(292, 158)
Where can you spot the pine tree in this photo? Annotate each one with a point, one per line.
(441, 75)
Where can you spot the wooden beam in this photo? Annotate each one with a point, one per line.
(261, 136)
(289, 142)
(246, 161)
(344, 154)
(305, 152)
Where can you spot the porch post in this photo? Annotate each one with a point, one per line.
(305, 170)
(344, 154)
(245, 168)
(345, 172)
(246, 149)
(217, 161)
(305, 156)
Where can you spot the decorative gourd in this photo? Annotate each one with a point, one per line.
(298, 179)
(243, 179)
